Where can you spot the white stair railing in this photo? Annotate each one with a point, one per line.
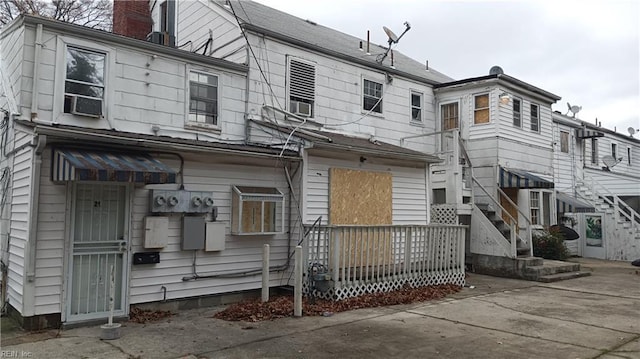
(620, 209)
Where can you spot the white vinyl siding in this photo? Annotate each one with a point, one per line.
(19, 222)
(408, 190)
(242, 253)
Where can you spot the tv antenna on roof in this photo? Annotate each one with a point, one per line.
(393, 39)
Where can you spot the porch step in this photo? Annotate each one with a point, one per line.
(548, 268)
(562, 276)
(525, 262)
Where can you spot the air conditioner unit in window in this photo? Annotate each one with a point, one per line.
(301, 108)
(86, 106)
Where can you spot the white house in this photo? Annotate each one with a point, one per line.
(596, 176)
(175, 167)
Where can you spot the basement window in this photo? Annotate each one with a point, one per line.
(257, 210)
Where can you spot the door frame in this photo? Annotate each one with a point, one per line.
(68, 255)
(592, 251)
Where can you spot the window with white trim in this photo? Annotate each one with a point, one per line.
(481, 109)
(84, 85)
(594, 151)
(257, 210)
(449, 116)
(416, 106)
(540, 207)
(372, 96)
(629, 155)
(301, 84)
(534, 206)
(614, 151)
(203, 98)
(564, 141)
(535, 118)
(517, 112)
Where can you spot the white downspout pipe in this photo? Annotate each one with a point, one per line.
(28, 294)
(36, 63)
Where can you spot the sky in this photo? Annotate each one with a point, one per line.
(587, 52)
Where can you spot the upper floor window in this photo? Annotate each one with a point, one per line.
(481, 109)
(84, 85)
(416, 106)
(517, 112)
(629, 155)
(564, 141)
(594, 151)
(449, 115)
(203, 94)
(535, 118)
(372, 96)
(302, 87)
(614, 150)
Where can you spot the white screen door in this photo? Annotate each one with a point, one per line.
(99, 240)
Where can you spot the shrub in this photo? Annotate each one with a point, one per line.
(549, 245)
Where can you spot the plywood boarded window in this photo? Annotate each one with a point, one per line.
(481, 109)
(360, 197)
(257, 210)
(564, 141)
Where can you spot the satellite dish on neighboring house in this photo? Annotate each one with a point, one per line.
(632, 131)
(496, 70)
(609, 161)
(393, 38)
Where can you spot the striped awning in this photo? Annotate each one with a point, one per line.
(510, 178)
(567, 203)
(71, 164)
(584, 133)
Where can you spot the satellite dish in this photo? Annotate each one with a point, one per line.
(609, 161)
(574, 109)
(632, 131)
(496, 70)
(392, 37)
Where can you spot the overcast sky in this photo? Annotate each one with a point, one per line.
(587, 52)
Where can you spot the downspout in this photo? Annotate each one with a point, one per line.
(427, 186)
(36, 62)
(28, 294)
(247, 129)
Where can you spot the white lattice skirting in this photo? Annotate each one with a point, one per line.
(444, 214)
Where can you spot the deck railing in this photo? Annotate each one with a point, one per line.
(353, 260)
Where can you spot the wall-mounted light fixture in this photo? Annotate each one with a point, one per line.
(504, 98)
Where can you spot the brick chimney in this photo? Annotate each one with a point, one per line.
(132, 18)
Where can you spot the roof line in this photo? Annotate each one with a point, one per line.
(502, 77)
(307, 45)
(129, 41)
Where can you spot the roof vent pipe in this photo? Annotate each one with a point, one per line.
(368, 38)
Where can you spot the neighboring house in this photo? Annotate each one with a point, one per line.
(598, 184)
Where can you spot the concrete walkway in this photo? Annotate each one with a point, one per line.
(591, 317)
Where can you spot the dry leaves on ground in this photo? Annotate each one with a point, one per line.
(142, 316)
(254, 310)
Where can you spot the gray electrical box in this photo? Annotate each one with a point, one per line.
(193, 233)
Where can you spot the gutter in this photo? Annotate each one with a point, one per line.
(380, 153)
(151, 144)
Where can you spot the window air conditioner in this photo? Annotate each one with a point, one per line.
(301, 108)
(86, 106)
